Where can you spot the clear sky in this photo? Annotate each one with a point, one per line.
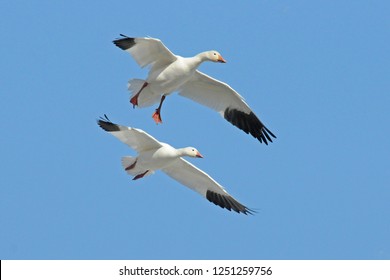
(315, 72)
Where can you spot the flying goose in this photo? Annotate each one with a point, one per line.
(169, 73)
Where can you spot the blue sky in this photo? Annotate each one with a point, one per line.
(316, 73)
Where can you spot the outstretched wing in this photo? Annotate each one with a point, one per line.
(137, 139)
(222, 98)
(146, 50)
(199, 181)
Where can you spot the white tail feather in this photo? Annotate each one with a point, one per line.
(128, 161)
(147, 97)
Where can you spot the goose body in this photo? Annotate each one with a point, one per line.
(172, 73)
(154, 155)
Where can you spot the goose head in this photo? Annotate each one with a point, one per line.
(191, 152)
(215, 56)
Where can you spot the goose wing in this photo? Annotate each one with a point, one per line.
(222, 98)
(146, 51)
(199, 181)
(137, 139)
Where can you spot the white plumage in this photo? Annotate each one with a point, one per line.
(154, 155)
(169, 73)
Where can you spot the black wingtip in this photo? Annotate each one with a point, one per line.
(106, 124)
(228, 202)
(124, 43)
(250, 124)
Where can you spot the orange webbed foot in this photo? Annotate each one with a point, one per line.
(134, 100)
(157, 117)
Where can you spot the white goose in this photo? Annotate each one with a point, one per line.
(154, 155)
(170, 73)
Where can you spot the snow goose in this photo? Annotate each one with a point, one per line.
(154, 155)
(171, 73)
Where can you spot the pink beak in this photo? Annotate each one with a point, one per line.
(199, 155)
(221, 59)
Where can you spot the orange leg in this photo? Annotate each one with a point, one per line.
(156, 115)
(134, 99)
(139, 176)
